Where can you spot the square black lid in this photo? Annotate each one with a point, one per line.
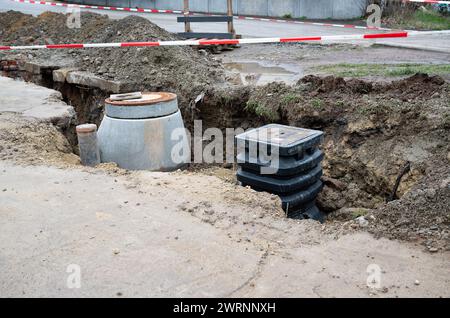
(289, 140)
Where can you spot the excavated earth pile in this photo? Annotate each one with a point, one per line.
(182, 70)
(373, 130)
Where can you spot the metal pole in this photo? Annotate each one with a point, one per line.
(187, 25)
(230, 14)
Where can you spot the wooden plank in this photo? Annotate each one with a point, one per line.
(205, 19)
(187, 25)
(230, 14)
(125, 96)
(192, 35)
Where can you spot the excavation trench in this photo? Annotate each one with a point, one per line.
(356, 172)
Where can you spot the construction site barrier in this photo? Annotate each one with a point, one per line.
(231, 41)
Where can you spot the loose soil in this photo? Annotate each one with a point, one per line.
(182, 70)
(372, 128)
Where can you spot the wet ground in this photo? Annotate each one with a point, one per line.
(296, 60)
(259, 73)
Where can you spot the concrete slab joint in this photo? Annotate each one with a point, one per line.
(91, 80)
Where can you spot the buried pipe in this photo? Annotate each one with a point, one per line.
(88, 145)
(406, 168)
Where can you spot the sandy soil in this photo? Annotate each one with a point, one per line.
(136, 230)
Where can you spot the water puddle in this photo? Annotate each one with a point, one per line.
(253, 73)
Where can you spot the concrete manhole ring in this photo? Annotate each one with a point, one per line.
(150, 105)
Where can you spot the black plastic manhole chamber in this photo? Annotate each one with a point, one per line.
(285, 161)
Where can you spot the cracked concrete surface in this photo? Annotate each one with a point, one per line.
(52, 218)
(30, 100)
(131, 239)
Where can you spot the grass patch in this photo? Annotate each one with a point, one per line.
(388, 70)
(340, 103)
(262, 111)
(358, 213)
(428, 20)
(317, 103)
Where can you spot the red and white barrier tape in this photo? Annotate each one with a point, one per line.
(86, 6)
(142, 10)
(428, 1)
(231, 41)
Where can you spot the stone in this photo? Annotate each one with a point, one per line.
(348, 214)
(91, 80)
(61, 74)
(334, 183)
(31, 68)
(362, 221)
(30, 100)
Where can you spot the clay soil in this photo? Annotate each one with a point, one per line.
(373, 129)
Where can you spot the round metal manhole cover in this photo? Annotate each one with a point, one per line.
(148, 98)
(150, 105)
(151, 97)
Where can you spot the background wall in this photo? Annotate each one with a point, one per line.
(313, 9)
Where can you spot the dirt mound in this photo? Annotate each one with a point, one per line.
(331, 83)
(410, 88)
(423, 213)
(372, 130)
(50, 27)
(182, 70)
(420, 85)
(31, 141)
